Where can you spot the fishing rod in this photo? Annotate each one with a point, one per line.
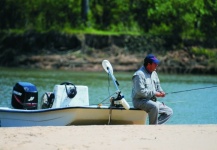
(192, 89)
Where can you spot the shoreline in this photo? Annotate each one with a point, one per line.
(170, 137)
(176, 62)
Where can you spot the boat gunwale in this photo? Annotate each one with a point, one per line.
(2, 109)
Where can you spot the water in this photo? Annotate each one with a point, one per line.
(193, 107)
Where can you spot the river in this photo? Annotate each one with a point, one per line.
(197, 106)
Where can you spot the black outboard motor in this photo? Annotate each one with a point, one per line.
(24, 96)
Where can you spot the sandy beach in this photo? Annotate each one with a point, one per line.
(105, 137)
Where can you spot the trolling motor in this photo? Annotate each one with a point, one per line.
(119, 99)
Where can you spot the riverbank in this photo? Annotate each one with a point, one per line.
(85, 52)
(128, 137)
(179, 62)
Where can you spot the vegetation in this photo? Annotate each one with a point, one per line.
(175, 18)
(158, 24)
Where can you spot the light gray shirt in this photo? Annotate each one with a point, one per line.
(145, 84)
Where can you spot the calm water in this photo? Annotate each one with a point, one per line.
(193, 107)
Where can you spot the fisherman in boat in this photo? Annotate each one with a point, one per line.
(146, 88)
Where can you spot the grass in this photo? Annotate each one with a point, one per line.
(98, 32)
(77, 31)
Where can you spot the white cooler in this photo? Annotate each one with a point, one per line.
(62, 100)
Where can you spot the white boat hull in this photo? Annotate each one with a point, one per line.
(65, 110)
(91, 115)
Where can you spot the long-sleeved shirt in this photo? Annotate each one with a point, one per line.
(145, 84)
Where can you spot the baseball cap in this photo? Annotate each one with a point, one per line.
(150, 58)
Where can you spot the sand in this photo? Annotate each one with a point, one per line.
(110, 137)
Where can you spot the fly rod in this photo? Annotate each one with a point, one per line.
(192, 89)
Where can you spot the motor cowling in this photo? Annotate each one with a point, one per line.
(24, 96)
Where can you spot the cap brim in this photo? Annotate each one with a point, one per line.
(156, 61)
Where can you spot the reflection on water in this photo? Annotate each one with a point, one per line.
(192, 107)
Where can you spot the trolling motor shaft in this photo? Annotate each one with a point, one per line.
(119, 100)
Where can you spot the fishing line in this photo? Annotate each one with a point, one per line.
(109, 92)
(166, 93)
(192, 89)
(107, 98)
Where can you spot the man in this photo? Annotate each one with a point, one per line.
(146, 89)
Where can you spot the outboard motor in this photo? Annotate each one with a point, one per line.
(24, 96)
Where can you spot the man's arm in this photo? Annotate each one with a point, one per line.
(141, 91)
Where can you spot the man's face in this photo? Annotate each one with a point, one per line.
(152, 67)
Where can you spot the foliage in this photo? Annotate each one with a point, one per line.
(211, 55)
(203, 51)
(173, 20)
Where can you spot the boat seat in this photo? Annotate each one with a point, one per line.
(62, 100)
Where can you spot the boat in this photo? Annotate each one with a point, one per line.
(67, 104)
(77, 115)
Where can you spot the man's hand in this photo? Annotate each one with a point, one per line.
(159, 94)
